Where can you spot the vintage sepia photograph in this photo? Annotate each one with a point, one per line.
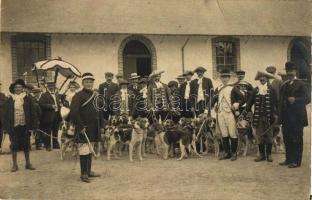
(155, 99)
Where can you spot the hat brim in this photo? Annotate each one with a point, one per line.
(263, 74)
(134, 77)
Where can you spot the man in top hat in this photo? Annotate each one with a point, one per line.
(227, 99)
(50, 118)
(275, 82)
(20, 121)
(185, 94)
(158, 95)
(201, 90)
(181, 80)
(264, 101)
(3, 99)
(293, 115)
(88, 123)
(124, 100)
(107, 90)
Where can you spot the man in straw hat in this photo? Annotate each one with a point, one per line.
(50, 117)
(293, 115)
(20, 121)
(87, 119)
(264, 101)
(134, 84)
(107, 90)
(201, 90)
(227, 99)
(185, 94)
(158, 95)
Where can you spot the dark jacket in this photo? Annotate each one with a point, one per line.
(153, 93)
(207, 86)
(87, 116)
(296, 113)
(48, 114)
(116, 103)
(31, 117)
(108, 90)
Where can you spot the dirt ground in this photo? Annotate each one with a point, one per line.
(153, 178)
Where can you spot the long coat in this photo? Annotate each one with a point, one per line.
(48, 114)
(151, 95)
(29, 110)
(296, 113)
(207, 86)
(87, 116)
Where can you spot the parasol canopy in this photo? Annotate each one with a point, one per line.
(59, 66)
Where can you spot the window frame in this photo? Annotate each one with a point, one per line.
(236, 42)
(46, 39)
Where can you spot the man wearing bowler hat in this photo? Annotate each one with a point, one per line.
(107, 90)
(201, 90)
(88, 121)
(50, 117)
(293, 115)
(20, 121)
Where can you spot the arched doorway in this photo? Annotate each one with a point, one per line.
(299, 52)
(136, 54)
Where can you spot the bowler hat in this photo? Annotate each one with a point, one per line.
(200, 69)
(188, 73)
(271, 69)
(225, 73)
(16, 82)
(109, 74)
(240, 72)
(290, 66)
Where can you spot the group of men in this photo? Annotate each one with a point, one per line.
(274, 102)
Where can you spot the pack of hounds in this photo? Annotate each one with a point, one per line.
(189, 137)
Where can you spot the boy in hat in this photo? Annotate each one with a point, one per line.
(107, 90)
(185, 93)
(20, 121)
(87, 120)
(275, 82)
(227, 99)
(265, 115)
(293, 115)
(200, 90)
(50, 118)
(158, 95)
(124, 100)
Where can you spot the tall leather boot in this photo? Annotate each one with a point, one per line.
(14, 159)
(268, 152)
(234, 144)
(27, 159)
(84, 168)
(261, 157)
(226, 146)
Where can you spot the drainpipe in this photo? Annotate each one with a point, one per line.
(182, 51)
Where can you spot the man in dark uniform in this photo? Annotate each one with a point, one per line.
(185, 94)
(20, 121)
(87, 119)
(293, 115)
(107, 90)
(201, 89)
(50, 117)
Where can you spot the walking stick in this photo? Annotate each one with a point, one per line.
(90, 145)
